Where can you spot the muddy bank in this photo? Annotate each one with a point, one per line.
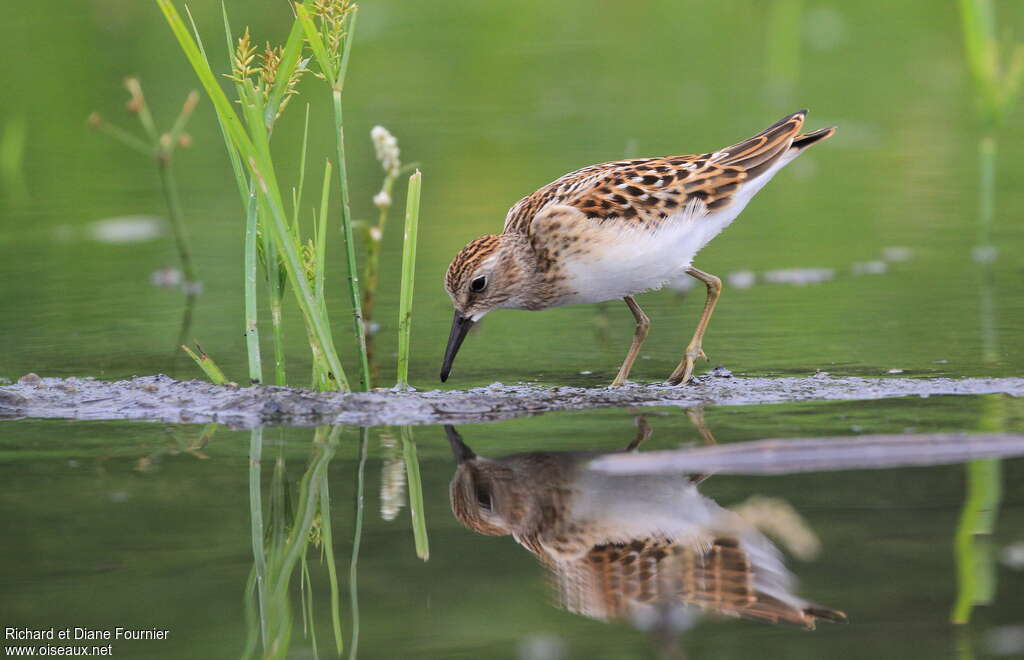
(161, 398)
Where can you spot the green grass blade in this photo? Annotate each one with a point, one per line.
(412, 218)
(350, 30)
(206, 363)
(289, 62)
(355, 297)
(327, 535)
(357, 537)
(297, 191)
(256, 528)
(415, 484)
(321, 235)
(316, 42)
(206, 76)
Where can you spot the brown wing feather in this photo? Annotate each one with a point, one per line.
(649, 190)
(611, 578)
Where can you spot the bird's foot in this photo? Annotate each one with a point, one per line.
(684, 372)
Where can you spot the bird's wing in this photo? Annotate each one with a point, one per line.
(648, 191)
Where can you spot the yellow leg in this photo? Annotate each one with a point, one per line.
(642, 325)
(684, 372)
(696, 416)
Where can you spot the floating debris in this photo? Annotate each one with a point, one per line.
(741, 279)
(984, 254)
(799, 276)
(1012, 556)
(897, 254)
(127, 229)
(869, 268)
(167, 277)
(681, 284)
(894, 371)
(1005, 640)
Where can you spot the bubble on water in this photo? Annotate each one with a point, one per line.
(126, 229)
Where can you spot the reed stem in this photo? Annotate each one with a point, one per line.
(987, 148)
(359, 327)
(357, 536)
(252, 333)
(412, 218)
(256, 527)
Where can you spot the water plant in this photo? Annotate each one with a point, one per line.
(160, 146)
(412, 220)
(265, 80)
(385, 146)
(281, 542)
(996, 87)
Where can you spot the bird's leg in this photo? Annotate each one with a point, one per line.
(696, 416)
(643, 431)
(684, 371)
(642, 325)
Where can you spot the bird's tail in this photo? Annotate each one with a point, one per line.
(773, 147)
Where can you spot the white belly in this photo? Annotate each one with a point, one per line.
(627, 259)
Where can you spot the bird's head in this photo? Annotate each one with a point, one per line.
(489, 273)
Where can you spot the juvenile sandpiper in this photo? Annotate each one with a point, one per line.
(622, 546)
(615, 230)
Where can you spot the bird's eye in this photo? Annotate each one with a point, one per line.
(478, 285)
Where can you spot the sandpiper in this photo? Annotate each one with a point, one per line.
(618, 546)
(615, 230)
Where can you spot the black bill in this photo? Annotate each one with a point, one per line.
(460, 326)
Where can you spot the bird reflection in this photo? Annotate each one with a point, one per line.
(650, 549)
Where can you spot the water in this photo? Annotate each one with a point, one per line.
(856, 260)
(148, 526)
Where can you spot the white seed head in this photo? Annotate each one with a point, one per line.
(386, 146)
(382, 200)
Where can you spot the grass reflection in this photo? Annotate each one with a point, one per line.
(282, 541)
